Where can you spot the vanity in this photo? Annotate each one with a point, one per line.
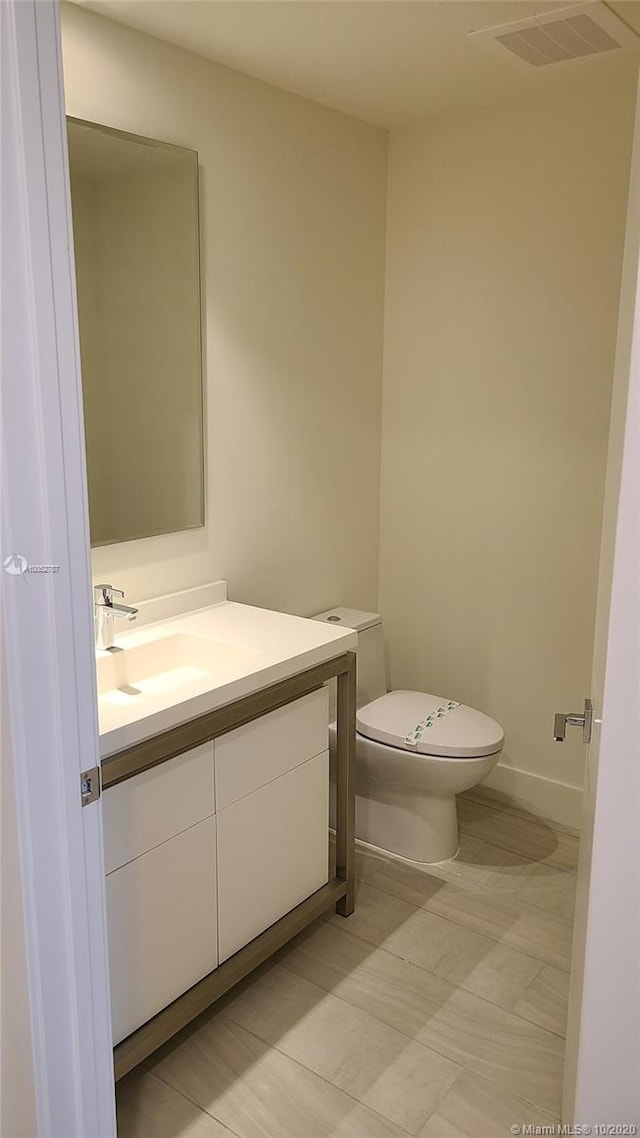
(215, 781)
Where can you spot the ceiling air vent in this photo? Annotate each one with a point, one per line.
(567, 33)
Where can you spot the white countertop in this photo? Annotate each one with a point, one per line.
(253, 648)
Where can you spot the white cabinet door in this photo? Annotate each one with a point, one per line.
(161, 911)
(151, 807)
(272, 852)
(250, 756)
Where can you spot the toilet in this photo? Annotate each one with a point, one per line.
(414, 753)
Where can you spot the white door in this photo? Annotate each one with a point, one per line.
(602, 1067)
(49, 682)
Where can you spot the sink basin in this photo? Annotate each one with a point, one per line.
(195, 652)
(166, 664)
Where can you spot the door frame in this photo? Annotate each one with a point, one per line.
(48, 635)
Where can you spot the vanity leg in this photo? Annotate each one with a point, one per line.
(346, 785)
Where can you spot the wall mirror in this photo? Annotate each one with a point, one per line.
(135, 225)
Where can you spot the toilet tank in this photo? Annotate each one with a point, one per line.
(371, 678)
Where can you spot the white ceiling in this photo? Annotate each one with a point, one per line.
(390, 62)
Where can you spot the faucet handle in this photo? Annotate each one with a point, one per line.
(102, 594)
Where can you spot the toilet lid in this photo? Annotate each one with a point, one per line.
(429, 725)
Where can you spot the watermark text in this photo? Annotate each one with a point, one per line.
(574, 1130)
(18, 566)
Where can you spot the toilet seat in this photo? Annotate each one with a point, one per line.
(429, 725)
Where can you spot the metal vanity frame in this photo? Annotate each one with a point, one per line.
(339, 890)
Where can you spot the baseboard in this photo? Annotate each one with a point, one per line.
(555, 801)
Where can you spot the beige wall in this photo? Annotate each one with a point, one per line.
(293, 217)
(504, 244)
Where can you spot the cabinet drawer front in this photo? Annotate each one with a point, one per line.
(161, 911)
(146, 810)
(253, 755)
(272, 852)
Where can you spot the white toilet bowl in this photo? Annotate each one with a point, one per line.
(406, 803)
(414, 753)
(406, 789)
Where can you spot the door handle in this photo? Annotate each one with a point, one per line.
(573, 719)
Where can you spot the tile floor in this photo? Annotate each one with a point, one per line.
(437, 1010)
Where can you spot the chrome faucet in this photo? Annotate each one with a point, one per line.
(104, 611)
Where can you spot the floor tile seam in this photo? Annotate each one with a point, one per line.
(469, 991)
(440, 868)
(450, 921)
(468, 885)
(524, 911)
(425, 909)
(192, 1102)
(538, 1106)
(525, 857)
(532, 908)
(463, 1068)
(499, 1090)
(440, 979)
(371, 1015)
(562, 1034)
(565, 971)
(510, 849)
(454, 877)
(529, 982)
(467, 926)
(552, 1031)
(506, 894)
(462, 1072)
(298, 1062)
(538, 820)
(401, 1031)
